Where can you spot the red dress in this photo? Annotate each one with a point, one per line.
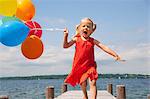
(84, 65)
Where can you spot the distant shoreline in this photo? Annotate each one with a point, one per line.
(39, 77)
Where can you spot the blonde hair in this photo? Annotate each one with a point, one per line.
(77, 26)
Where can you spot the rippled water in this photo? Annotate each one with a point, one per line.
(35, 89)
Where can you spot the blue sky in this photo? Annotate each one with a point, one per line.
(122, 25)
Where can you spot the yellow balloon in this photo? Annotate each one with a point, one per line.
(8, 7)
(25, 10)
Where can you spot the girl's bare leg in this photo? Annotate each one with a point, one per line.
(93, 88)
(83, 87)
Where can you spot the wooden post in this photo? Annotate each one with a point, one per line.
(148, 96)
(50, 92)
(110, 88)
(121, 94)
(63, 88)
(4, 97)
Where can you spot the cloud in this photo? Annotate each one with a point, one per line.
(58, 61)
(52, 61)
(137, 60)
(47, 21)
(136, 52)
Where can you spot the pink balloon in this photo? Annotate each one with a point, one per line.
(35, 28)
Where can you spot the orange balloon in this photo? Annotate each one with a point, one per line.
(32, 47)
(25, 10)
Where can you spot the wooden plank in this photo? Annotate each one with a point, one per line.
(77, 94)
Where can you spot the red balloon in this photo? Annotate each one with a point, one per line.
(35, 28)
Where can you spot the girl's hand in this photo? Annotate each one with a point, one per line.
(66, 31)
(117, 58)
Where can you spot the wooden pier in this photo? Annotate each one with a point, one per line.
(77, 94)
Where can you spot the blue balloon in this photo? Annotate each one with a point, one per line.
(13, 33)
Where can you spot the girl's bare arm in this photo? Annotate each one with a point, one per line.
(67, 44)
(106, 49)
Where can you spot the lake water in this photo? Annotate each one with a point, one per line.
(35, 89)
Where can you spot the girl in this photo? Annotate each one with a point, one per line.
(84, 65)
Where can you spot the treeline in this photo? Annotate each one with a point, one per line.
(34, 77)
(124, 76)
(114, 76)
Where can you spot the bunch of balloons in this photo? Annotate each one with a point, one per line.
(17, 27)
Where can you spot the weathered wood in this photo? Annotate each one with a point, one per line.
(63, 88)
(78, 94)
(148, 96)
(110, 88)
(121, 93)
(50, 92)
(4, 97)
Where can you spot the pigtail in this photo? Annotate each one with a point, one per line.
(94, 27)
(77, 30)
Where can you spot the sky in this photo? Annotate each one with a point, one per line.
(122, 25)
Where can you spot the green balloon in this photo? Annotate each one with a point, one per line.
(8, 18)
(1, 22)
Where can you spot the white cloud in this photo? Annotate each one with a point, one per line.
(137, 60)
(58, 61)
(52, 61)
(47, 21)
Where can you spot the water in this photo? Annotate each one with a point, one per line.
(35, 89)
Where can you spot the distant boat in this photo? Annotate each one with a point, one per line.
(119, 77)
(38, 78)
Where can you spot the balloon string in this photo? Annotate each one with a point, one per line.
(48, 29)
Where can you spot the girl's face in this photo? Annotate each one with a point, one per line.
(86, 28)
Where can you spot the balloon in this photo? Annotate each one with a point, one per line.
(32, 47)
(0, 26)
(8, 7)
(1, 22)
(37, 28)
(13, 33)
(25, 10)
(8, 18)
